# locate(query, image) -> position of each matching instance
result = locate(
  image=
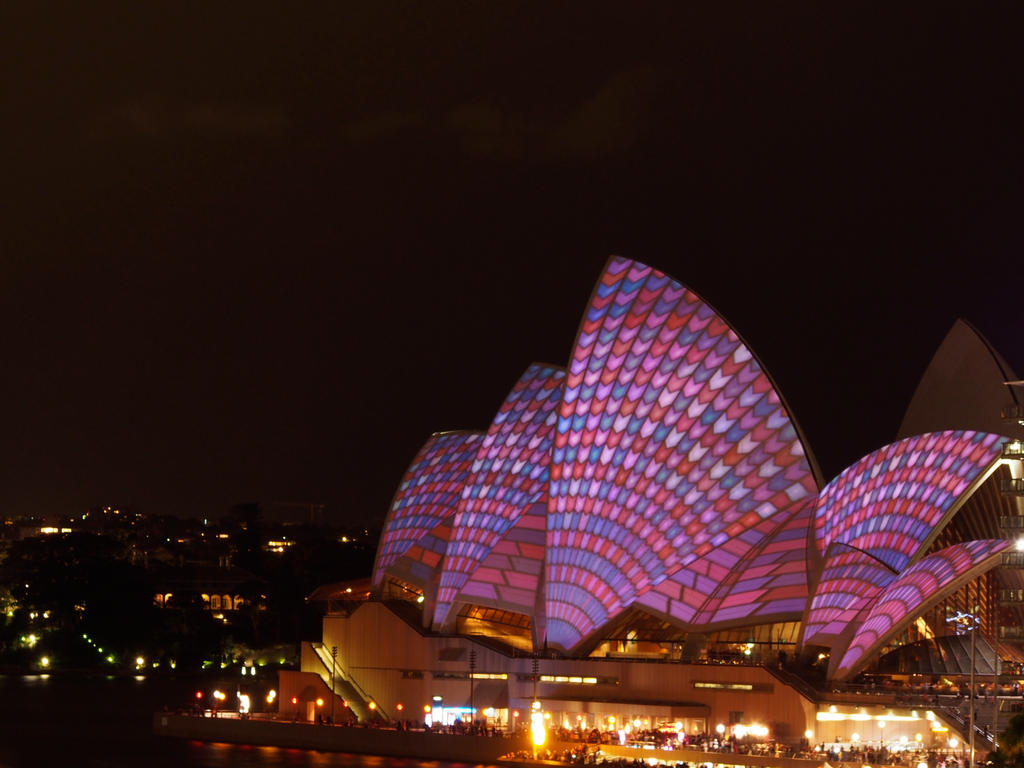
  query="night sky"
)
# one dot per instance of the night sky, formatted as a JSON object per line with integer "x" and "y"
{"x": 259, "y": 252}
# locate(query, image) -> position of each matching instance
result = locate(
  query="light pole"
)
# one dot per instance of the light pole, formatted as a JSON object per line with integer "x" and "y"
{"x": 995, "y": 695}
{"x": 968, "y": 622}
{"x": 334, "y": 665}
{"x": 972, "y": 696}
{"x": 472, "y": 672}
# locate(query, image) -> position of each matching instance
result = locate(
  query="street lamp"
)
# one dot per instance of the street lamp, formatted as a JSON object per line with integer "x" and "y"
{"x": 967, "y": 622}
{"x": 334, "y": 664}
{"x": 472, "y": 674}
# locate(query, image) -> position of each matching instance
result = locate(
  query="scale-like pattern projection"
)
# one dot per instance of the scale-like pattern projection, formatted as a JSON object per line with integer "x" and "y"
{"x": 890, "y": 501}
{"x": 681, "y": 595}
{"x": 662, "y": 471}
{"x": 770, "y": 583}
{"x": 420, "y": 564}
{"x": 671, "y": 442}
{"x": 509, "y": 577}
{"x": 429, "y": 492}
{"x": 509, "y": 475}
{"x": 691, "y": 595}
{"x": 849, "y": 582}
{"x": 921, "y": 585}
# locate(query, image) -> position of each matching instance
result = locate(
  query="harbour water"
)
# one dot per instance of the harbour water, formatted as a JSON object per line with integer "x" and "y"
{"x": 95, "y": 721}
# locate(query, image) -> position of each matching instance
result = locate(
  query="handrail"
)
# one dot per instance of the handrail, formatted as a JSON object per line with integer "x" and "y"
{"x": 793, "y": 680}
{"x": 327, "y": 661}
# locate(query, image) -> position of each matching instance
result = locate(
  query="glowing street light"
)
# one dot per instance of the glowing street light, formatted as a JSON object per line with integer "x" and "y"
{"x": 966, "y": 622}
{"x": 537, "y": 730}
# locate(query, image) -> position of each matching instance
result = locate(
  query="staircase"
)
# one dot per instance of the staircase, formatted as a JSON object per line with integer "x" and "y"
{"x": 984, "y": 715}
{"x": 345, "y": 688}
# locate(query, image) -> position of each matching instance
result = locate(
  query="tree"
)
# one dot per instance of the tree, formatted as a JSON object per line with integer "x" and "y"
{"x": 1011, "y": 744}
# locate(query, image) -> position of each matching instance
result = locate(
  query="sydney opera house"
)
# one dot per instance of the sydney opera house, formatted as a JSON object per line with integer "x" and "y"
{"x": 644, "y": 536}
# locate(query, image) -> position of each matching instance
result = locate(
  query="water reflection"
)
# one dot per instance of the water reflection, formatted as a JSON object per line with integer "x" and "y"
{"x": 104, "y": 721}
{"x": 232, "y": 755}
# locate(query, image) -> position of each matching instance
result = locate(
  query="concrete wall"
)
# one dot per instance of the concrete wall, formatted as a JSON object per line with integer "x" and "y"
{"x": 305, "y": 687}
{"x": 369, "y": 741}
{"x": 394, "y": 663}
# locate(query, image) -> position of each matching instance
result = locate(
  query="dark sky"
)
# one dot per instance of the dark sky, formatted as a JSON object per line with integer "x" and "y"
{"x": 259, "y": 252}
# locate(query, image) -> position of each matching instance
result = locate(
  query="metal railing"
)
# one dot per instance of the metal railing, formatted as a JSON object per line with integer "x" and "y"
{"x": 1013, "y": 413}
{"x": 1011, "y": 486}
{"x": 1014, "y": 449}
{"x": 332, "y": 664}
{"x": 1013, "y": 559}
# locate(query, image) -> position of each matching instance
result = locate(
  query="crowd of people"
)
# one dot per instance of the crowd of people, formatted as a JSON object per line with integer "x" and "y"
{"x": 589, "y": 750}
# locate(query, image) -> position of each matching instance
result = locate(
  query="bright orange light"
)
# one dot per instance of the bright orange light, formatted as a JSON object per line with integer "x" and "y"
{"x": 295, "y": 700}
{"x": 399, "y": 707}
{"x": 319, "y": 702}
{"x": 537, "y": 729}
{"x": 426, "y": 708}
{"x": 199, "y": 694}
{"x": 373, "y": 705}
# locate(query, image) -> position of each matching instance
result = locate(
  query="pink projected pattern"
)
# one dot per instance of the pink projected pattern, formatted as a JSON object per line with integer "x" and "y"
{"x": 770, "y": 582}
{"x": 671, "y": 442}
{"x": 913, "y": 590}
{"x": 510, "y": 473}
{"x": 420, "y": 564}
{"x": 662, "y": 471}
{"x": 849, "y": 582}
{"x": 429, "y": 491}
{"x": 509, "y": 577}
{"x": 773, "y": 554}
{"x": 890, "y": 501}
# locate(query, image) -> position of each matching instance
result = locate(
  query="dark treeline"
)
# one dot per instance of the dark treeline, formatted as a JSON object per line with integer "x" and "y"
{"x": 93, "y": 595}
